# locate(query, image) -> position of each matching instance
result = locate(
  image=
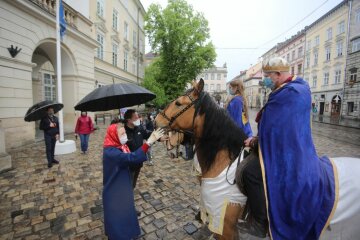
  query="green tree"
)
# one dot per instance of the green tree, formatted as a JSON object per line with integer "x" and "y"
{"x": 152, "y": 72}
{"x": 180, "y": 36}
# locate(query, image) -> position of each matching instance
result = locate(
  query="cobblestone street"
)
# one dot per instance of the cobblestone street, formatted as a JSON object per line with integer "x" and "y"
{"x": 65, "y": 201}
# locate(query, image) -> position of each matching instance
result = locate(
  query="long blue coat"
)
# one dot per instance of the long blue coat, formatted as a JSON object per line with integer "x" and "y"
{"x": 235, "y": 109}
{"x": 120, "y": 217}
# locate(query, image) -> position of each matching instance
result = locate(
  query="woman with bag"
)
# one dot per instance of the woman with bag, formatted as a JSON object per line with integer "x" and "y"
{"x": 84, "y": 126}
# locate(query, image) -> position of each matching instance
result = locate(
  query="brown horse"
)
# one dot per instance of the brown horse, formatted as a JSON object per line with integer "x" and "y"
{"x": 218, "y": 141}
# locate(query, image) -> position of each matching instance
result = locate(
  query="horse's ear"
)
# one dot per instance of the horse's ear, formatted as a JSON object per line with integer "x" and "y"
{"x": 199, "y": 86}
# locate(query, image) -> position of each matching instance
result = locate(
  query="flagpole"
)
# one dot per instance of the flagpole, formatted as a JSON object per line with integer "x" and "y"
{"x": 58, "y": 70}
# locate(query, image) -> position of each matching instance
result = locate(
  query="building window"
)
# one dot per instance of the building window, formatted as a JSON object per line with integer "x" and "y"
{"x": 357, "y": 16}
{"x": 317, "y": 40}
{"x": 299, "y": 70}
{"x": 133, "y": 66}
{"x": 206, "y": 87}
{"x": 316, "y": 58}
{"x": 341, "y": 27}
{"x": 337, "y": 76}
{"x": 115, "y": 54}
{"x": 125, "y": 61}
{"x": 211, "y": 87}
{"x": 326, "y": 78}
{"x": 292, "y": 70}
{"x": 314, "y": 82}
{"x": 49, "y": 87}
{"x": 350, "y": 107}
{"x": 218, "y": 76}
{"x": 206, "y": 76}
{"x": 126, "y": 31}
{"x": 307, "y": 60}
{"x": 225, "y": 76}
{"x": 288, "y": 57}
{"x": 329, "y": 34}
{"x": 134, "y": 39}
{"x": 293, "y": 55}
{"x": 100, "y": 8}
{"x": 218, "y": 87}
{"x": 339, "y": 49}
{"x": 327, "y": 53}
{"x": 100, "y": 49}
{"x": 300, "y": 52}
{"x": 309, "y": 45}
{"x": 115, "y": 20}
{"x": 355, "y": 45}
{"x": 212, "y": 78}
{"x": 353, "y": 74}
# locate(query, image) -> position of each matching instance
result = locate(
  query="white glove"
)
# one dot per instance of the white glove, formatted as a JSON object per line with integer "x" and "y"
{"x": 155, "y": 135}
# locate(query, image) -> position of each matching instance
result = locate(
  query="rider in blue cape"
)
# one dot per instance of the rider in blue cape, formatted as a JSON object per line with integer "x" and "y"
{"x": 301, "y": 188}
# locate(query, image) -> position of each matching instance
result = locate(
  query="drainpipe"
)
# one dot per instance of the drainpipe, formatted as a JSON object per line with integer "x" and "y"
{"x": 138, "y": 48}
{"x": 347, "y": 45}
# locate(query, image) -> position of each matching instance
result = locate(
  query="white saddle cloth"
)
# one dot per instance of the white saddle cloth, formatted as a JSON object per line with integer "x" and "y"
{"x": 216, "y": 194}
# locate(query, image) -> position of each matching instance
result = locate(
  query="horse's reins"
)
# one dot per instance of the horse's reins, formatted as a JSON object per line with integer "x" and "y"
{"x": 172, "y": 119}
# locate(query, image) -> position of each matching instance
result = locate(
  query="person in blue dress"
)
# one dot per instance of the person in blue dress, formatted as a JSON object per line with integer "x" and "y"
{"x": 237, "y": 107}
{"x": 120, "y": 218}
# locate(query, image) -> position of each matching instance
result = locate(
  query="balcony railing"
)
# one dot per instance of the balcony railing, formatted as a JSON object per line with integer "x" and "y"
{"x": 49, "y": 6}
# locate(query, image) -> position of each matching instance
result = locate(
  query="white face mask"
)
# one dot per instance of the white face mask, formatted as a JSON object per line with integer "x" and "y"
{"x": 137, "y": 122}
{"x": 123, "y": 139}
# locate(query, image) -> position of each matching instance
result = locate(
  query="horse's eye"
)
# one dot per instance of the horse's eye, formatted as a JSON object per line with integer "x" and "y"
{"x": 177, "y": 104}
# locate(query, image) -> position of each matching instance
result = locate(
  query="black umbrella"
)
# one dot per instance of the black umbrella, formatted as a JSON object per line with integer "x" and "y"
{"x": 39, "y": 110}
{"x": 114, "y": 96}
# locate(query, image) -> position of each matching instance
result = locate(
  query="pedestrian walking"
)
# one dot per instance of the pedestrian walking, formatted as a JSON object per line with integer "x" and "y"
{"x": 120, "y": 218}
{"x": 50, "y": 126}
{"x": 84, "y": 127}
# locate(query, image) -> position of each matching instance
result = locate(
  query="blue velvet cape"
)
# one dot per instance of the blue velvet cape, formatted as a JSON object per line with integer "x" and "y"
{"x": 301, "y": 187}
{"x": 120, "y": 217}
{"x": 235, "y": 109}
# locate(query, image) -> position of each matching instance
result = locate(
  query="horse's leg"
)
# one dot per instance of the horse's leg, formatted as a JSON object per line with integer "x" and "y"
{"x": 231, "y": 218}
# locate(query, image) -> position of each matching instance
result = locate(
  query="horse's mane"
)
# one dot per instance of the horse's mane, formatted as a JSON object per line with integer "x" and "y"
{"x": 219, "y": 131}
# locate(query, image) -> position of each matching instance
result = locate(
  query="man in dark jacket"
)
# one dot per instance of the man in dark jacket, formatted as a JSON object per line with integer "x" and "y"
{"x": 50, "y": 126}
{"x": 136, "y": 136}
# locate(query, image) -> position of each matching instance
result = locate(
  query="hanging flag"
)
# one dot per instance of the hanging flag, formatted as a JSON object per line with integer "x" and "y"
{"x": 62, "y": 20}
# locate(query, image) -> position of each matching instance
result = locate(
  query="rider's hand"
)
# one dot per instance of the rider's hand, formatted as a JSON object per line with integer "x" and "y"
{"x": 248, "y": 141}
{"x": 156, "y": 135}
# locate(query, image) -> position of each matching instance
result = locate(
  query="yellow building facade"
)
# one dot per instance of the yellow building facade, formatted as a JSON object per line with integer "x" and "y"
{"x": 325, "y": 60}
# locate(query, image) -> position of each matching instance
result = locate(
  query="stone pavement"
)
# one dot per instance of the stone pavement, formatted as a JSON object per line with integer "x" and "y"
{"x": 65, "y": 201}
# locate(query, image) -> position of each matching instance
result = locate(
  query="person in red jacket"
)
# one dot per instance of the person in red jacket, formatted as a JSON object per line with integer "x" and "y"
{"x": 84, "y": 126}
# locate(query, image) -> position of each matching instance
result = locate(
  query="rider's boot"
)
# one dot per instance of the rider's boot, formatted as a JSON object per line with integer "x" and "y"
{"x": 254, "y": 228}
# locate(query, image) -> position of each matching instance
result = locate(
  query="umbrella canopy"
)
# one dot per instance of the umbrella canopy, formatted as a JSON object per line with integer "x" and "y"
{"x": 114, "y": 96}
{"x": 39, "y": 110}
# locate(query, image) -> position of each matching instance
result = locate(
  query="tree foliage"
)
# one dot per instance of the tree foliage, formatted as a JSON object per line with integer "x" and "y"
{"x": 151, "y": 73}
{"x": 180, "y": 37}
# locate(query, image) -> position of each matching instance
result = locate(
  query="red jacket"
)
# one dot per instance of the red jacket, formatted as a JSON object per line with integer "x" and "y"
{"x": 84, "y": 125}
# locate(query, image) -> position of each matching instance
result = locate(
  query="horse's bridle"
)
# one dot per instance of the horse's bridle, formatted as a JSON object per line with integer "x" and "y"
{"x": 172, "y": 119}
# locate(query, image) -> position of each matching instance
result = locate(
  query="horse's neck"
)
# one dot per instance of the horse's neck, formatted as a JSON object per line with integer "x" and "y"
{"x": 221, "y": 162}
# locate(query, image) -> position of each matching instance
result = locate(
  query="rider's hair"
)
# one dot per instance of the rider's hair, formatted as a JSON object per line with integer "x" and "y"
{"x": 239, "y": 91}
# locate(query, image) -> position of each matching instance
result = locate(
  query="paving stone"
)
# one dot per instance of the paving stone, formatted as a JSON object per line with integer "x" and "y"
{"x": 148, "y": 228}
{"x": 159, "y": 223}
{"x": 161, "y": 233}
{"x": 41, "y": 226}
{"x": 148, "y": 219}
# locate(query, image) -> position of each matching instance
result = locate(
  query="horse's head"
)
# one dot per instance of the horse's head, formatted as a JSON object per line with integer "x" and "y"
{"x": 180, "y": 114}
